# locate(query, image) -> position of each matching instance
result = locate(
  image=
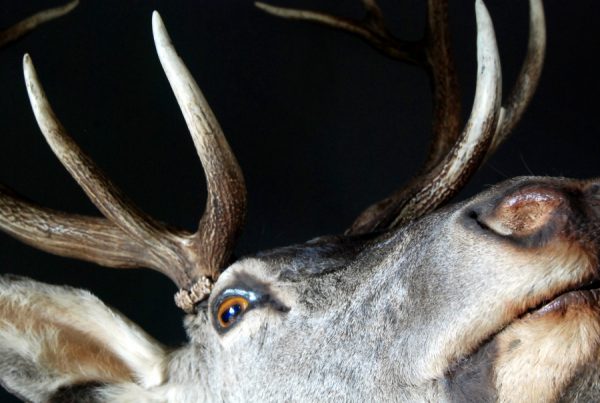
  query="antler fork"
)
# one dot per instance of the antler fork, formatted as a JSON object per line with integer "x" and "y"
{"x": 453, "y": 155}
{"x": 127, "y": 237}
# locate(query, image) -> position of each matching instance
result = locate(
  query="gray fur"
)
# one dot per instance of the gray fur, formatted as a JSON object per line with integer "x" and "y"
{"x": 368, "y": 327}
{"x": 410, "y": 315}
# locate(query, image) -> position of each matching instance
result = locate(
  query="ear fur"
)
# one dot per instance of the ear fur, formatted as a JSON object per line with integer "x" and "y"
{"x": 55, "y": 337}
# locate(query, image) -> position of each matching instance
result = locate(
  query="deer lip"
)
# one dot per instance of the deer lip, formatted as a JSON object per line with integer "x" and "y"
{"x": 588, "y": 294}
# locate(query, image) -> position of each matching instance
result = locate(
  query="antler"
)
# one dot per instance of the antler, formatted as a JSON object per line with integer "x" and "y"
{"x": 127, "y": 237}
{"x": 453, "y": 156}
{"x": 30, "y": 23}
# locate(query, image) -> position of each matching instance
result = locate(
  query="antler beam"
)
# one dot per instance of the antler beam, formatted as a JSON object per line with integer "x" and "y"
{"x": 471, "y": 147}
{"x": 127, "y": 237}
{"x": 423, "y": 193}
{"x": 93, "y": 239}
{"x": 448, "y": 147}
{"x": 433, "y": 53}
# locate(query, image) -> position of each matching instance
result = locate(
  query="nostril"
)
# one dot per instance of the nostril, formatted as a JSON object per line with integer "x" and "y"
{"x": 474, "y": 215}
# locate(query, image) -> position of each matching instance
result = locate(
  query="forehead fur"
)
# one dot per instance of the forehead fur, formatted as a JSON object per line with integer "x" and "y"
{"x": 316, "y": 257}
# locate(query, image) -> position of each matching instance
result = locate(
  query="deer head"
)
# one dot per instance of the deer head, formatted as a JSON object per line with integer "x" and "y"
{"x": 494, "y": 298}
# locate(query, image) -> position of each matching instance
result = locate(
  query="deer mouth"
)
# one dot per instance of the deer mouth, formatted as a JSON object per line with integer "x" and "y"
{"x": 586, "y": 295}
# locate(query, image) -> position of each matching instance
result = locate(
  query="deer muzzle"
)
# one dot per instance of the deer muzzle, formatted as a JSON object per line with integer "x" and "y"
{"x": 558, "y": 218}
{"x": 548, "y": 230}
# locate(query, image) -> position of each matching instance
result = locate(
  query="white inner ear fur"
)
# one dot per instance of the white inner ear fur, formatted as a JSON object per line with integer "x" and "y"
{"x": 51, "y": 325}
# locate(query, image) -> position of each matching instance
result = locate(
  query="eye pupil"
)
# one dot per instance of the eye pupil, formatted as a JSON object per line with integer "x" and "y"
{"x": 231, "y": 313}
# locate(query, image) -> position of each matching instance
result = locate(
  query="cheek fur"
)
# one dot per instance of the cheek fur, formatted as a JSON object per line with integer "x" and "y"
{"x": 537, "y": 357}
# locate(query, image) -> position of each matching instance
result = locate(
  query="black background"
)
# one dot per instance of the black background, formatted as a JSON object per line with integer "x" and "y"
{"x": 322, "y": 124}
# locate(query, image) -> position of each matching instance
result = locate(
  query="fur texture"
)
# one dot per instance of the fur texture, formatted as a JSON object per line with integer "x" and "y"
{"x": 452, "y": 307}
{"x": 53, "y": 336}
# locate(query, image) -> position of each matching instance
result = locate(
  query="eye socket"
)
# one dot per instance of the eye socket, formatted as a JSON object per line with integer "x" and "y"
{"x": 231, "y": 309}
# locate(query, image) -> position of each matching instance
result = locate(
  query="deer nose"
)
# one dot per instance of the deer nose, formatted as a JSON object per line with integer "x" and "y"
{"x": 536, "y": 210}
{"x": 525, "y": 211}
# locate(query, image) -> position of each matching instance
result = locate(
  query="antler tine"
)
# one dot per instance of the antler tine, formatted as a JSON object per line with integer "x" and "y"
{"x": 225, "y": 208}
{"x": 30, "y": 23}
{"x": 162, "y": 244}
{"x": 128, "y": 237}
{"x": 393, "y": 210}
{"x": 471, "y": 147}
{"x": 431, "y": 189}
{"x": 70, "y": 235}
{"x": 372, "y": 29}
{"x": 444, "y": 83}
{"x": 433, "y": 54}
{"x": 529, "y": 76}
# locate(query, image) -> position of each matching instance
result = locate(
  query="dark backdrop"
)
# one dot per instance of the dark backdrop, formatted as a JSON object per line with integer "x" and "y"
{"x": 321, "y": 123}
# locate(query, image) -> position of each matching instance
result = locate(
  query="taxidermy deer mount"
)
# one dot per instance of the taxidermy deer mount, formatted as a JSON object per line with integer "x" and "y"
{"x": 494, "y": 298}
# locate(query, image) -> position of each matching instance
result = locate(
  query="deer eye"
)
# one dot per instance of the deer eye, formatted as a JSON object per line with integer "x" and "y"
{"x": 231, "y": 309}
{"x": 230, "y": 306}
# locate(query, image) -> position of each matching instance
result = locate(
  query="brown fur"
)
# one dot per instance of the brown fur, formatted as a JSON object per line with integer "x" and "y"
{"x": 538, "y": 355}
{"x": 68, "y": 345}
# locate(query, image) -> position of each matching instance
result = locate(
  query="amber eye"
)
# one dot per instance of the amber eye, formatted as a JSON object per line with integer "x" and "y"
{"x": 230, "y": 310}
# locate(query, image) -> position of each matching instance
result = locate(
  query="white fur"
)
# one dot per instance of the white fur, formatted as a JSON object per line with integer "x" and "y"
{"x": 33, "y": 316}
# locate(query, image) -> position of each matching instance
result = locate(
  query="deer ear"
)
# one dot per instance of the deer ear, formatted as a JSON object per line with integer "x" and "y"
{"x": 57, "y": 341}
